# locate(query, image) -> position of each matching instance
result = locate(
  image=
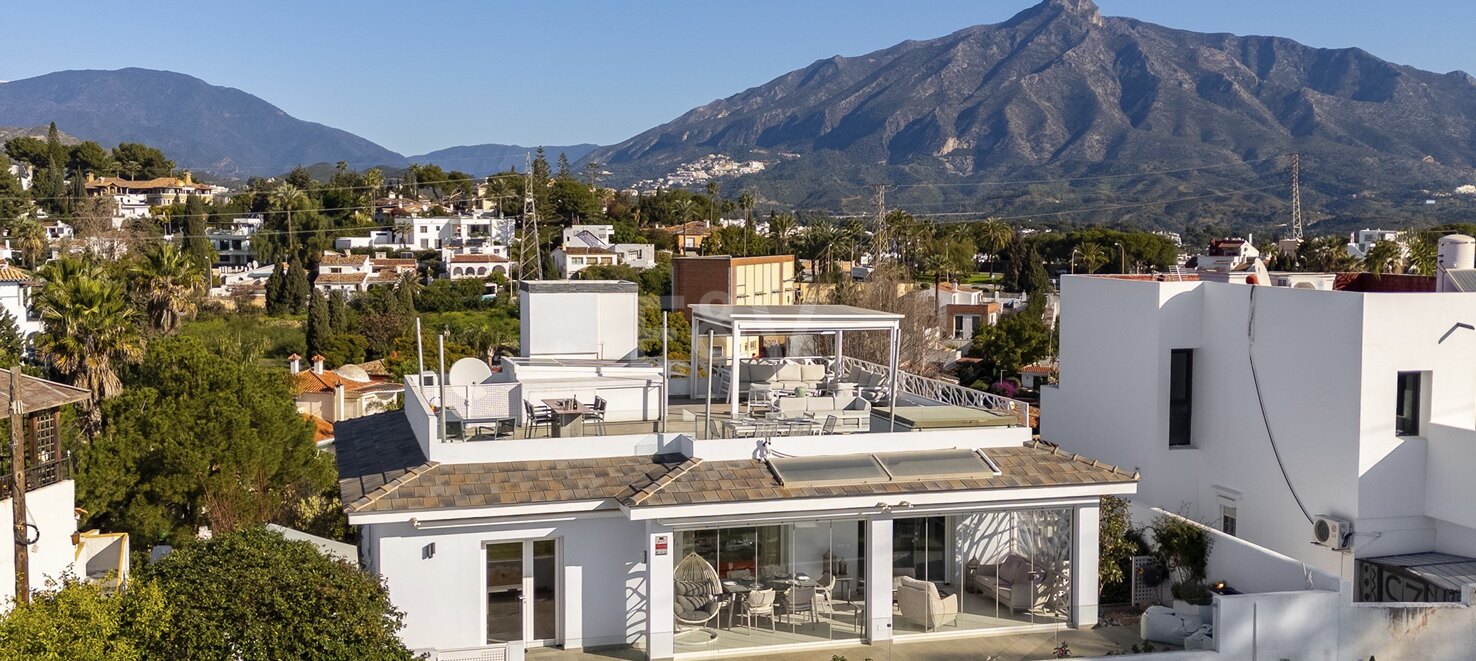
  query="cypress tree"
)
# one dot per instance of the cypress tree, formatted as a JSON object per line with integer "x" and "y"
{"x": 318, "y": 324}
{"x": 276, "y": 292}
{"x": 338, "y": 312}
{"x": 298, "y": 288}
{"x": 198, "y": 247}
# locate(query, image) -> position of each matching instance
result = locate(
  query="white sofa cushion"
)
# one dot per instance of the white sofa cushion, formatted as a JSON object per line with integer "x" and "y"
{"x": 812, "y": 373}
{"x": 791, "y": 372}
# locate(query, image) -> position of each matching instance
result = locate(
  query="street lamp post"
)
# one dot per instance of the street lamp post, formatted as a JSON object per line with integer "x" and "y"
{"x": 1122, "y": 254}
{"x": 1074, "y": 253}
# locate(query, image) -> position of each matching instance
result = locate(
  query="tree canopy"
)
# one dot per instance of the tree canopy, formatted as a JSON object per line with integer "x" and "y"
{"x": 202, "y": 435}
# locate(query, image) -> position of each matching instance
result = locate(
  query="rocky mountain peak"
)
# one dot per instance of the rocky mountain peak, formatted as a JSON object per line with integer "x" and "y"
{"x": 1050, "y": 10}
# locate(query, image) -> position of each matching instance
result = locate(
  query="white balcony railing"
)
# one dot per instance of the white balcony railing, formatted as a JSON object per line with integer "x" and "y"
{"x": 943, "y": 391}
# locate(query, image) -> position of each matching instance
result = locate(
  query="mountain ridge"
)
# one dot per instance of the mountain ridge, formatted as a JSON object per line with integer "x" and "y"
{"x": 1058, "y": 90}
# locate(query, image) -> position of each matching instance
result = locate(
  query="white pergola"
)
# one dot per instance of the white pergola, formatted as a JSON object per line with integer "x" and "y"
{"x": 736, "y": 321}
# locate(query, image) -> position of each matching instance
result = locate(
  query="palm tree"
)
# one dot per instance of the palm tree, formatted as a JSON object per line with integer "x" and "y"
{"x": 286, "y": 197}
{"x": 88, "y": 327}
{"x": 169, "y": 284}
{"x": 1325, "y": 254}
{"x": 1422, "y": 248}
{"x": 29, "y": 237}
{"x": 994, "y": 237}
{"x": 685, "y": 209}
{"x": 1384, "y": 257}
{"x": 780, "y": 225}
{"x": 745, "y": 202}
{"x": 1092, "y": 256}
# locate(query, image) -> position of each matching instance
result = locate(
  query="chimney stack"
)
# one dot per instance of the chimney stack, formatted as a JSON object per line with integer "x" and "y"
{"x": 317, "y": 363}
{"x": 188, "y": 178}
{"x": 294, "y": 362}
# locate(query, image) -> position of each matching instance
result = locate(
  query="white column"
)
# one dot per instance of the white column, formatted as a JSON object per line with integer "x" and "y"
{"x": 660, "y": 622}
{"x": 1084, "y": 548}
{"x": 840, "y": 360}
{"x": 733, "y": 368}
{"x": 692, "y": 390}
{"x": 879, "y": 578}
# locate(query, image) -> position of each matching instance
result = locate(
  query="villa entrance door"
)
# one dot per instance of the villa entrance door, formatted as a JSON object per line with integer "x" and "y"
{"x": 523, "y": 592}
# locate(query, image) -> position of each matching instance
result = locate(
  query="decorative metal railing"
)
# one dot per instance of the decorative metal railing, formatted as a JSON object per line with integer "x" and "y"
{"x": 942, "y": 391}
{"x": 38, "y": 475}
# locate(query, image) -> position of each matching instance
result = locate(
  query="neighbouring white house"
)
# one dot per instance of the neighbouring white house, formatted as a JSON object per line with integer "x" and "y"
{"x": 376, "y": 239}
{"x": 24, "y": 173}
{"x": 1364, "y": 240}
{"x": 581, "y": 497}
{"x": 15, "y": 298}
{"x": 1335, "y": 427}
{"x": 1227, "y": 255}
{"x": 591, "y": 245}
{"x": 342, "y": 394}
{"x": 430, "y": 233}
{"x": 474, "y": 265}
{"x": 232, "y": 242}
{"x": 349, "y": 274}
{"x": 54, "y": 547}
{"x": 58, "y": 230}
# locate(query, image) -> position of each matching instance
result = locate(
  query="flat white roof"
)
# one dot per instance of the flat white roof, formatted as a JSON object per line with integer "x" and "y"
{"x": 727, "y": 313}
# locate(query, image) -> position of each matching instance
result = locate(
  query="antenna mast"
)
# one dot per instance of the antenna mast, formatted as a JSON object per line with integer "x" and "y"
{"x": 1296, "y": 198}
{"x": 530, "y": 262}
{"x": 881, "y": 238}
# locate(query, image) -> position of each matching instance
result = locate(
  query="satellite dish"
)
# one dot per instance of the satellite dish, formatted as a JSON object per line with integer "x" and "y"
{"x": 468, "y": 371}
{"x": 352, "y": 373}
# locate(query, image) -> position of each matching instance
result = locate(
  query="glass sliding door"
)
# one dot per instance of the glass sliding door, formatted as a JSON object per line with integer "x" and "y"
{"x": 523, "y": 592}
{"x": 782, "y": 584}
{"x": 545, "y": 606}
{"x": 504, "y": 592}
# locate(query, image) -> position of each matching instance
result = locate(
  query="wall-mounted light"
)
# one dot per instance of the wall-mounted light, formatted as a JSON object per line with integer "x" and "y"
{"x": 428, "y": 551}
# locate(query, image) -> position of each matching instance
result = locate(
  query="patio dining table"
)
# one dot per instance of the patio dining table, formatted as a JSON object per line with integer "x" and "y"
{"x": 570, "y": 412}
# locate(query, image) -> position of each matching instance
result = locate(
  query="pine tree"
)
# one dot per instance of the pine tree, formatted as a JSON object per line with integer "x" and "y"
{"x": 276, "y": 292}
{"x": 564, "y": 172}
{"x": 14, "y": 200}
{"x": 540, "y": 168}
{"x": 338, "y": 312}
{"x": 319, "y": 327}
{"x": 298, "y": 289}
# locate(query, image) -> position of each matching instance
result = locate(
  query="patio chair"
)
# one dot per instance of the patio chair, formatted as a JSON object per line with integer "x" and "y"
{"x": 760, "y": 603}
{"x": 537, "y": 415}
{"x": 830, "y": 423}
{"x": 825, "y": 592}
{"x": 697, "y": 595}
{"x": 800, "y": 601}
{"x": 598, "y": 416}
{"x": 920, "y": 602}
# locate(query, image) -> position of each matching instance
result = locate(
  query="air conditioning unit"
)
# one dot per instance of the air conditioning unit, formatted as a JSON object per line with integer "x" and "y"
{"x": 1332, "y": 532}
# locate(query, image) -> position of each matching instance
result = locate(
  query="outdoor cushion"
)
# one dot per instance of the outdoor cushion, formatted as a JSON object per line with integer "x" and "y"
{"x": 745, "y": 372}
{"x": 1161, "y": 624}
{"x": 791, "y": 372}
{"x": 812, "y": 373}
{"x": 869, "y": 380}
{"x": 820, "y": 404}
{"x": 761, "y": 372}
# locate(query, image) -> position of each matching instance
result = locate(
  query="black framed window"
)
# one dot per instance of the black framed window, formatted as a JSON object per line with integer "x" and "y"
{"x": 1407, "y": 406}
{"x": 1181, "y": 396}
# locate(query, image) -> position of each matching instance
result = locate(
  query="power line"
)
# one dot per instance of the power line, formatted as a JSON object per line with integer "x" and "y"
{"x": 1007, "y": 182}
{"x": 979, "y": 215}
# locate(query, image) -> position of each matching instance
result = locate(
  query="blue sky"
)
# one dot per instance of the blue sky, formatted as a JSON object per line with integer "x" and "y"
{"x": 420, "y": 76}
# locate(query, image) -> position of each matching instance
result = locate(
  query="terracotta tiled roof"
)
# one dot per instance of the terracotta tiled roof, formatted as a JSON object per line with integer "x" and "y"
{"x": 322, "y": 429}
{"x": 343, "y": 260}
{"x": 308, "y": 381}
{"x": 381, "y": 469}
{"x": 392, "y": 262}
{"x": 10, "y": 273}
{"x": 144, "y": 184}
{"x": 477, "y": 259}
{"x": 341, "y": 278}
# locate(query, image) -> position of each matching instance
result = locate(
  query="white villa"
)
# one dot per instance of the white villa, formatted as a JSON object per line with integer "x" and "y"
{"x": 592, "y": 245}
{"x": 1335, "y": 428}
{"x": 586, "y": 496}
{"x": 232, "y": 242}
{"x": 15, "y": 298}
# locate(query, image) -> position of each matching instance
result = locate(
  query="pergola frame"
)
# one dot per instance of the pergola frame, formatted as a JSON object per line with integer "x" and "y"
{"x": 737, "y": 321}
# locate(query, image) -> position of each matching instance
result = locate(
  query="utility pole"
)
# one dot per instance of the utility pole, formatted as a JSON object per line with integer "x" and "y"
{"x": 880, "y": 239}
{"x": 1296, "y": 197}
{"x": 530, "y": 262}
{"x": 18, "y": 491}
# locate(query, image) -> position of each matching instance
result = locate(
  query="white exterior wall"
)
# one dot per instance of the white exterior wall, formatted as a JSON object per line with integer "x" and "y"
{"x": 547, "y": 333}
{"x": 1327, "y": 365}
{"x": 50, "y": 509}
{"x": 444, "y": 597}
{"x": 16, "y": 299}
